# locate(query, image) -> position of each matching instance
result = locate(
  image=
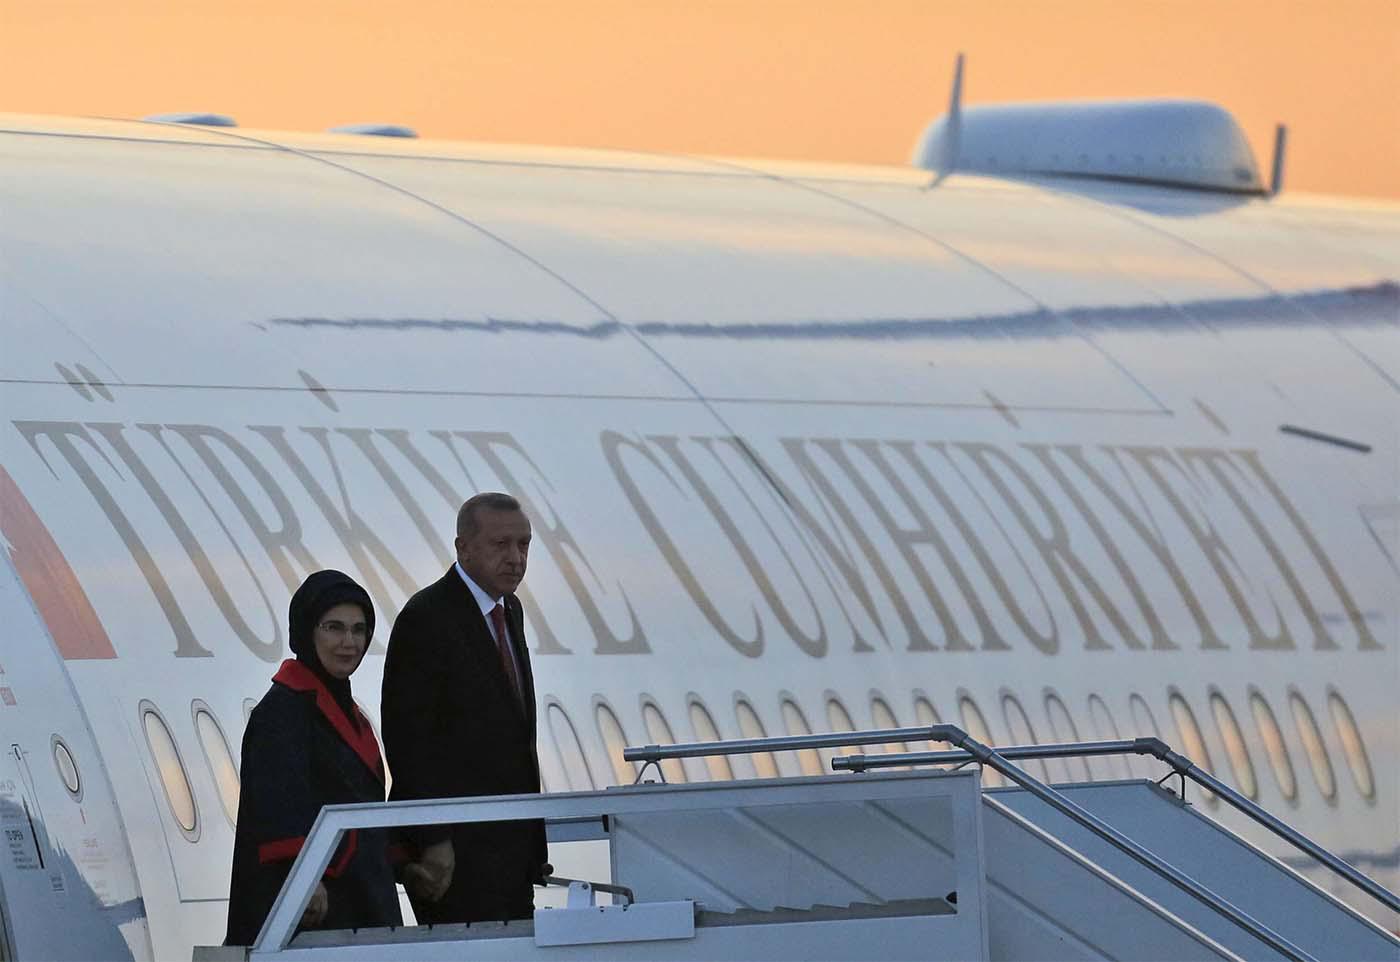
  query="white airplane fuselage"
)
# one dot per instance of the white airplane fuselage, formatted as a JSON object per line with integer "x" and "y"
{"x": 1077, "y": 460}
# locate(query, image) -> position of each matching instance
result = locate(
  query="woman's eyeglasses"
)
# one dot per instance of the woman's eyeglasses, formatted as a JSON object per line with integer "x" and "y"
{"x": 339, "y": 629}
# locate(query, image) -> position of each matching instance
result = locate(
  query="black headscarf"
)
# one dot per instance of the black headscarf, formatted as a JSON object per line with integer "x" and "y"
{"x": 319, "y": 593}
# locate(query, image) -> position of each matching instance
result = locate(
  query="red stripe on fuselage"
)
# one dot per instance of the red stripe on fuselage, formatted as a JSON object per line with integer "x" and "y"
{"x": 50, "y": 580}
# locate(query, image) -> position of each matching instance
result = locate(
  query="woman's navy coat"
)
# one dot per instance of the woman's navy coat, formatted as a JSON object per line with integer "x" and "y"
{"x": 300, "y": 752}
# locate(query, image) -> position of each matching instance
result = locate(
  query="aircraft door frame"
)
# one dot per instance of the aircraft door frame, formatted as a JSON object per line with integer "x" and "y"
{"x": 70, "y": 888}
{"x": 7, "y": 951}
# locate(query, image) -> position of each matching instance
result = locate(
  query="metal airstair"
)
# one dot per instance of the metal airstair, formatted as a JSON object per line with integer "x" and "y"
{"x": 892, "y": 859}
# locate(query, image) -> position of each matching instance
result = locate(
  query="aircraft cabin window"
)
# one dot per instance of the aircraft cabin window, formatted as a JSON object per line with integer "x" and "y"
{"x": 706, "y": 731}
{"x": 926, "y": 714}
{"x": 1274, "y": 746}
{"x": 1063, "y": 729}
{"x": 1020, "y": 732}
{"x": 1236, "y": 751}
{"x": 1144, "y": 722}
{"x": 883, "y": 717}
{"x": 1311, "y": 737}
{"x": 1106, "y": 729}
{"x": 839, "y": 720}
{"x": 764, "y": 764}
{"x": 1357, "y": 759}
{"x": 219, "y": 759}
{"x": 659, "y": 733}
{"x": 568, "y": 750}
{"x": 796, "y": 724}
{"x": 614, "y": 741}
{"x": 174, "y": 778}
{"x": 1193, "y": 743}
{"x": 67, "y": 768}
{"x": 975, "y": 724}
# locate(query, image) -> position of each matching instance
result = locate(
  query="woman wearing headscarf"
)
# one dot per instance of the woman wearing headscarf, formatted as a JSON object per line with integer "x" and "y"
{"x": 308, "y": 745}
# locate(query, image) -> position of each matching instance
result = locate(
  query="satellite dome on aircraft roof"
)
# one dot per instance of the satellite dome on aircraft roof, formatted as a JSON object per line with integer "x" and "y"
{"x": 1188, "y": 143}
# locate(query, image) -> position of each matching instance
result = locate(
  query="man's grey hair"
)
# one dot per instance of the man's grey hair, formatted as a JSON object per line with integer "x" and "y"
{"x": 490, "y": 500}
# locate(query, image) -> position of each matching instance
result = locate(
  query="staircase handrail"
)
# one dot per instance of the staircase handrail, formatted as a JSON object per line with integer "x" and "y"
{"x": 988, "y": 757}
{"x": 1159, "y": 749}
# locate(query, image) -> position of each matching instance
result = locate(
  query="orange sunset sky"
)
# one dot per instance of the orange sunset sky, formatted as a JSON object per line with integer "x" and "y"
{"x": 813, "y": 79}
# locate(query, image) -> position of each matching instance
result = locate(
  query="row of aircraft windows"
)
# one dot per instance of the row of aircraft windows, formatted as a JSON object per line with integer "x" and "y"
{"x": 576, "y": 772}
{"x": 1061, "y": 727}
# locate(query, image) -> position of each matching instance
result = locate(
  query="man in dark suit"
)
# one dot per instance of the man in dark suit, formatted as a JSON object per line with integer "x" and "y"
{"x": 459, "y": 719}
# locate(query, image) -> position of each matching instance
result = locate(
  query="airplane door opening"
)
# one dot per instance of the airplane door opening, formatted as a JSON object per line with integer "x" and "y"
{"x": 68, "y": 885}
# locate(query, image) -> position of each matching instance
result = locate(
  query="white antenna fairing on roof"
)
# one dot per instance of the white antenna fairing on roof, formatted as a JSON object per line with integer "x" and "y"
{"x": 1280, "y": 147}
{"x": 198, "y": 119}
{"x": 375, "y": 130}
{"x": 950, "y": 144}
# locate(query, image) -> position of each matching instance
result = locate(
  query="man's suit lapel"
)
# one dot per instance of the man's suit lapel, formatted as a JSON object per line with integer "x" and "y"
{"x": 465, "y": 615}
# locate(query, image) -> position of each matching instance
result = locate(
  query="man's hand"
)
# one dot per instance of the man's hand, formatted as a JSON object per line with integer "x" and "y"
{"x": 317, "y": 908}
{"x": 429, "y": 877}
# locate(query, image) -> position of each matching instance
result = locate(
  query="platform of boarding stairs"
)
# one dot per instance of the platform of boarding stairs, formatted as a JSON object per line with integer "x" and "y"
{"x": 894, "y": 856}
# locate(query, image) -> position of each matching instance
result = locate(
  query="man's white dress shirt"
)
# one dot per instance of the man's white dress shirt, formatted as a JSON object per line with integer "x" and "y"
{"x": 485, "y": 602}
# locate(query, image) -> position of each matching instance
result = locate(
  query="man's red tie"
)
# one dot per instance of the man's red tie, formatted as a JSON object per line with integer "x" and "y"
{"x": 498, "y": 622}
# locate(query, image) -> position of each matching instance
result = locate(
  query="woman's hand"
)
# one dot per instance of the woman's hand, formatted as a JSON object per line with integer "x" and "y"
{"x": 317, "y": 908}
